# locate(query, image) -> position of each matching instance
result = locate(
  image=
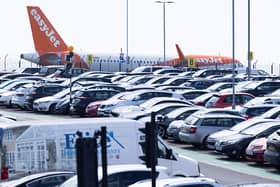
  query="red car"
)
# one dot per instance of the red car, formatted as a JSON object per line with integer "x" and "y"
{"x": 222, "y": 100}
{"x": 91, "y": 109}
{"x": 255, "y": 150}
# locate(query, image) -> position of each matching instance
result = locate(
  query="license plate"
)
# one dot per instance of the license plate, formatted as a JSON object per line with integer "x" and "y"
{"x": 219, "y": 148}
{"x": 249, "y": 152}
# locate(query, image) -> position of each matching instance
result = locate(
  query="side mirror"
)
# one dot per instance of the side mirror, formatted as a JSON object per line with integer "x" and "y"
{"x": 159, "y": 117}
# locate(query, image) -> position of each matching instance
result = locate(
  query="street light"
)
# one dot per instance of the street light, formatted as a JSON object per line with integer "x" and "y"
{"x": 233, "y": 56}
{"x": 249, "y": 53}
{"x": 164, "y": 48}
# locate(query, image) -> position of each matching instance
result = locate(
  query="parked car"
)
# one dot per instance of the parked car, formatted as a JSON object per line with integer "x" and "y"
{"x": 133, "y": 98}
{"x": 82, "y": 98}
{"x": 180, "y": 182}
{"x": 272, "y": 152}
{"x": 214, "y": 137}
{"x": 219, "y": 86}
{"x": 234, "y": 146}
{"x": 255, "y": 150}
{"x": 192, "y": 94}
{"x": 198, "y": 127}
{"x": 222, "y": 100}
{"x": 273, "y": 113}
{"x": 177, "y": 114}
{"x": 175, "y": 126}
{"x": 122, "y": 175}
{"x": 261, "y": 88}
{"x": 202, "y": 99}
{"x": 18, "y": 99}
{"x": 48, "y": 103}
{"x": 255, "y": 110}
{"x": 148, "y": 104}
{"x": 160, "y": 109}
{"x": 92, "y": 108}
{"x": 199, "y": 83}
{"x": 41, "y": 90}
{"x": 50, "y": 179}
{"x": 264, "y": 100}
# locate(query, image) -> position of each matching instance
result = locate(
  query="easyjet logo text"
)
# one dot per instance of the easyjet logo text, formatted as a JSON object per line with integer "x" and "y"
{"x": 44, "y": 28}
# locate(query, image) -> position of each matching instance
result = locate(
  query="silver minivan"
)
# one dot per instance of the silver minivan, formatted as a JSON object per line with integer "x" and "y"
{"x": 199, "y": 126}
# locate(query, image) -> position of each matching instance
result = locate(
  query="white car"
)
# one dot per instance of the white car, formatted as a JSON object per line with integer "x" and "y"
{"x": 148, "y": 104}
{"x": 179, "y": 182}
{"x": 6, "y": 98}
{"x": 133, "y": 98}
{"x": 122, "y": 175}
{"x": 15, "y": 85}
{"x": 47, "y": 104}
{"x": 19, "y": 98}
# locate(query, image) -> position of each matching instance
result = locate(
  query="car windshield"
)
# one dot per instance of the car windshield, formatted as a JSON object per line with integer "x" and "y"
{"x": 203, "y": 97}
{"x": 251, "y": 85}
{"x": 6, "y": 83}
{"x": 62, "y": 93}
{"x": 191, "y": 120}
{"x": 257, "y": 129}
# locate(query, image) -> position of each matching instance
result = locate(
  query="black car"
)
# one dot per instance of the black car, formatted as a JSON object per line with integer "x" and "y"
{"x": 83, "y": 97}
{"x": 199, "y": 83}
{"x": 41, "y": 90}
{"x": 255, "y": 110}
{"x": 63, "y": 106}
{"x": 272, "y": 152}
{"x": 261, "y": 88}
{"x": 234, "y": 146}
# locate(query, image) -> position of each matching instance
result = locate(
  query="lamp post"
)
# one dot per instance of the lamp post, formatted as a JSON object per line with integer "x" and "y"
{"x": 164, "y": 48}
{"x": 249, "y": 40}
{"x": 233, "y": 56}
{"x": 5, "y": 62}
{"x": 127, "y": 57}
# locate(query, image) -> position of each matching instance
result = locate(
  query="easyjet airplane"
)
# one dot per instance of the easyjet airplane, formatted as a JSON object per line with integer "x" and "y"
{"x": 52, "y": 50}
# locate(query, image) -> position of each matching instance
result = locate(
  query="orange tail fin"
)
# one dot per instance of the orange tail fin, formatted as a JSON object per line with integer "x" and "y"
{"x": 180, "y": 53}
{"x": 45, "y": 37}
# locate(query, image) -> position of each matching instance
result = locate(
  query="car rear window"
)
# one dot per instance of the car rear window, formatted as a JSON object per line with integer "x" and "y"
{"x": 191, "y": 120}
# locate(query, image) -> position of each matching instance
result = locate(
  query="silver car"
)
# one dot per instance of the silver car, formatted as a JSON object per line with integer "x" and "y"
{"x": 198, "y": 127}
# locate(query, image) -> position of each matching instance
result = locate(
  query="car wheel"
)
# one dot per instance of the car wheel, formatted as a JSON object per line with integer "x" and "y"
{"x": 161, "y": 131}
{"x": 52, "y": 109}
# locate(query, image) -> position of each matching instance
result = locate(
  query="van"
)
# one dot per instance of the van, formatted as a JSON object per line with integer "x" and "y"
{"x": 35, "y": 146}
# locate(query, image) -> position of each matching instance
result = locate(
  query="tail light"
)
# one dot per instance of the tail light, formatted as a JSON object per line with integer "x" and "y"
{"x": 82, "y": 98}
{"x": 192, "y": 130}
{"x": 20, "y": 95}
{"x": 247, "y": 116}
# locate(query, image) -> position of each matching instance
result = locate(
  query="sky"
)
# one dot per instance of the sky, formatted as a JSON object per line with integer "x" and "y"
{"x": 198, "y": 26}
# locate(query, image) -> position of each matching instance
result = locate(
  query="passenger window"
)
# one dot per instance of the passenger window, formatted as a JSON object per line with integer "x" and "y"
{"x": 47, "y": 182}
{"x": 246, "y": 98}
{"x": 228, "y": 99}
{"x": 225, "y": 122}
{"x": 209, "y": 122}
{"x": 194, "y": 185}
{"x": 163, "y": 94}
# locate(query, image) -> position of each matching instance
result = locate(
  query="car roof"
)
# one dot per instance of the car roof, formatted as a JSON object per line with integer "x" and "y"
{"x": 215, "y": 115}
{"x": 176, "y": 181}
{"x": 34, "y": 176}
